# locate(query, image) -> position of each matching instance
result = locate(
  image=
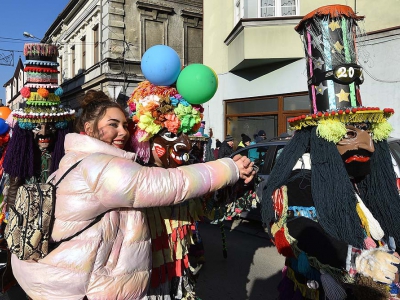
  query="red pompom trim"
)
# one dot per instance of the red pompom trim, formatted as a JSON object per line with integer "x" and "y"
{"x": 282, "y": 245}
{"x": 25, "y": 92}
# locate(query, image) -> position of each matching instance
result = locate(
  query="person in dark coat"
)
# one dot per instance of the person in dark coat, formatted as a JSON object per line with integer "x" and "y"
{"x": 244, "y": 142}
{"x": 261, "y": 136}
{"x": 226, "y": 148}
{"x": 216, "y": 150}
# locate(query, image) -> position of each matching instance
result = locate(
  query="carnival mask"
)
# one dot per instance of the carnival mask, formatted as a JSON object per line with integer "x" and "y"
{"x": 172, "y": 150}
{"x": 356, "y": 149}
{"x": 44, "y": 135}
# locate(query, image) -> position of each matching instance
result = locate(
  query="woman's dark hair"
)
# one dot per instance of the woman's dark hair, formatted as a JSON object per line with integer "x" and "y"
{"x": 94, "y": 106}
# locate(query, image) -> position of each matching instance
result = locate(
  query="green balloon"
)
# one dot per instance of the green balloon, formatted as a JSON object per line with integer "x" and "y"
{"x": 197, "y": 83}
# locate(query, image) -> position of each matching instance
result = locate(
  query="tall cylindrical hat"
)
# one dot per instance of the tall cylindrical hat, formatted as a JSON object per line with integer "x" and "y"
{"x": 41, "y": 91}
{"x": 329, "y": 36}
{"x": 334, "y": 77}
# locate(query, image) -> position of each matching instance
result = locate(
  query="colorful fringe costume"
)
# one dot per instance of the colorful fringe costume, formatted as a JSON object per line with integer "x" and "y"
{"x": 322, "y": 219}
{"x": 154, "y": 109}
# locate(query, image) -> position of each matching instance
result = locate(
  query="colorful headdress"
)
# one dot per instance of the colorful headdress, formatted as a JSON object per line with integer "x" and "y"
{"x": 156, "y": 104}
{"x": 155, "y": 107}
{"x": 329, "y": 38}
{"x": 41, "y": 91}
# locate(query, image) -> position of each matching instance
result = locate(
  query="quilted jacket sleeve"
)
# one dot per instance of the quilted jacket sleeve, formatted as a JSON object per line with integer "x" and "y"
{"x": 118, "y": 182}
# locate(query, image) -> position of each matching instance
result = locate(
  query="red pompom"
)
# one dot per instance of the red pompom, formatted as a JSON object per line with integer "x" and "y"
{"x": 25, "y": 92}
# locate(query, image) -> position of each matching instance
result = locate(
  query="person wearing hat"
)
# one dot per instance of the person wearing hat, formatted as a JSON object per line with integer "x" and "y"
{"x": 331, "y": 201}
{"x": 261, "y": 136}
{"x": 38, "y": 129}
{"x": 246, "y": 140}
{"x": 226, "y": 147}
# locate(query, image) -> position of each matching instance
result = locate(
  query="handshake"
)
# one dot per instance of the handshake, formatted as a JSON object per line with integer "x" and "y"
{"x": 378, "y": 264}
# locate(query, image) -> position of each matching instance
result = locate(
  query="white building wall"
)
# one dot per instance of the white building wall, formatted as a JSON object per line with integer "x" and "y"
{"x": 288, "y": 79}
{"x": 381, "y": 64}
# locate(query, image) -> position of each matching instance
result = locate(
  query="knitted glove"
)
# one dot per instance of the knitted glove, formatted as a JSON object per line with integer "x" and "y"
{"x": 377, "y": 264}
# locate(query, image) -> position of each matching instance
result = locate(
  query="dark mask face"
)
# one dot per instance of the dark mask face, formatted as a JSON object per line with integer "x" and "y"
{"x": 172, "y": 150}
{"x": 356, "y": 149}
{"x": 44, "y": 135}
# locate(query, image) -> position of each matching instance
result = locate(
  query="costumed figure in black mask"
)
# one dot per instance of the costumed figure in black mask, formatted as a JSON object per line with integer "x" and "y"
{"x": 331, "y": 202}
{"x": 36, "y": 145}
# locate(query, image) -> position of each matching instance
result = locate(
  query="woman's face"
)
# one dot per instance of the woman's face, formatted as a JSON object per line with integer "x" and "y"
{"x": 113, "y": 128}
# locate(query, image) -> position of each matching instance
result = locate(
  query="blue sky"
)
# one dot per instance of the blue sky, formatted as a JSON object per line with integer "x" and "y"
{"x": 17, "y": 16}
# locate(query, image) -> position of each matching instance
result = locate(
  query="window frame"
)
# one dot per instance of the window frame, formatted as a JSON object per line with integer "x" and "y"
{"x": 282, "y": 115}
{"x": 278, "y": 11}
{"x": 95, "y": 31}
{"x": 73, "y": 61}
{"x": 83, "y": 52}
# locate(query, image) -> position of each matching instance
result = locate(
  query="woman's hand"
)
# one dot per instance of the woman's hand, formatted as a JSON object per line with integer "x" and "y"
{"x": 245, "y": 166}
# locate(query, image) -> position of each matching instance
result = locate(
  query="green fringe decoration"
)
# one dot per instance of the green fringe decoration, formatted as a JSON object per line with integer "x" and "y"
{"x": 331, "y": 130}
{"x": 381, "y": 131}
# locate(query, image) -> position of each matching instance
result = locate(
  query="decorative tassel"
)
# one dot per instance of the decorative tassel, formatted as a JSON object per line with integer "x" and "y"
{"x": 363, "y": 218}
{"x": 392, "y": 243}
{"x": 369, "y": 243}
{"x": 333, "y": 290}
{"x": 331, "y": 130}
{"x": 381, "y": 131}
{"x": 286, "y": 288}
{"x": 224, "y": 251}
{"x": 373, "y": 225}
{"x": 142, "y": 149}
{"x": 302, "y": 264}
{"x": 281, "y": 243}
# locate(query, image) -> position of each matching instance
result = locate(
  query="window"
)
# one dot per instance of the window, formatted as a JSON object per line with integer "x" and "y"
{"x": 83, "y": 52}
{"x": 269, "y": 113}
{"x": 96, "y": 45}
{"x": 60, "y": 63}
{"x": 73, "y": 61}
{"x": 278, "y": 8}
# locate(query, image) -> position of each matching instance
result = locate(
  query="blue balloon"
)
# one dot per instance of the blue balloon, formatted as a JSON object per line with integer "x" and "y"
{"x": 3, "y": 126}
{"x": 161, "y": 65}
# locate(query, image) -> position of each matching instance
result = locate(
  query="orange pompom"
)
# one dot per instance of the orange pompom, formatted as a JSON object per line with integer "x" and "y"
{"x": 43, "y": 92}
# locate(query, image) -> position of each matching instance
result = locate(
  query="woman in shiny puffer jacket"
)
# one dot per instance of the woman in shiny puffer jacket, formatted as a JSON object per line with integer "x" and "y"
{"x": 112, "y": 258}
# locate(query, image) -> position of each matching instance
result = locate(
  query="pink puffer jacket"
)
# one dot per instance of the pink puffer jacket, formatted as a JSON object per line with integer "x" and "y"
{"x": 111, "y": 259}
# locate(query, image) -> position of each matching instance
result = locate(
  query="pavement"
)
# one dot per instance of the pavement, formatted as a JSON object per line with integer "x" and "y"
{"x": 252, "y": 269}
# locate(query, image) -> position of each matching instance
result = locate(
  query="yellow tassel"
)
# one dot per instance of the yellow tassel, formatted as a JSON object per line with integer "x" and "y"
{"x": 363, "y": 218}
{"x": 331, "y": 130}
{"x": 381, "y": 131}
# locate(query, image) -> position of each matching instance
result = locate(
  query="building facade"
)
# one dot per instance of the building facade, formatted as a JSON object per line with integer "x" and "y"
{"x": 101, "y": 42}
{"x": 259, "y": 60}
{"x": 12, "y": 87}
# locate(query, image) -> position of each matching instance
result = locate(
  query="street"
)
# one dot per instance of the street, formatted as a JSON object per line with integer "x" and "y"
{"x": 252, "y": 269}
